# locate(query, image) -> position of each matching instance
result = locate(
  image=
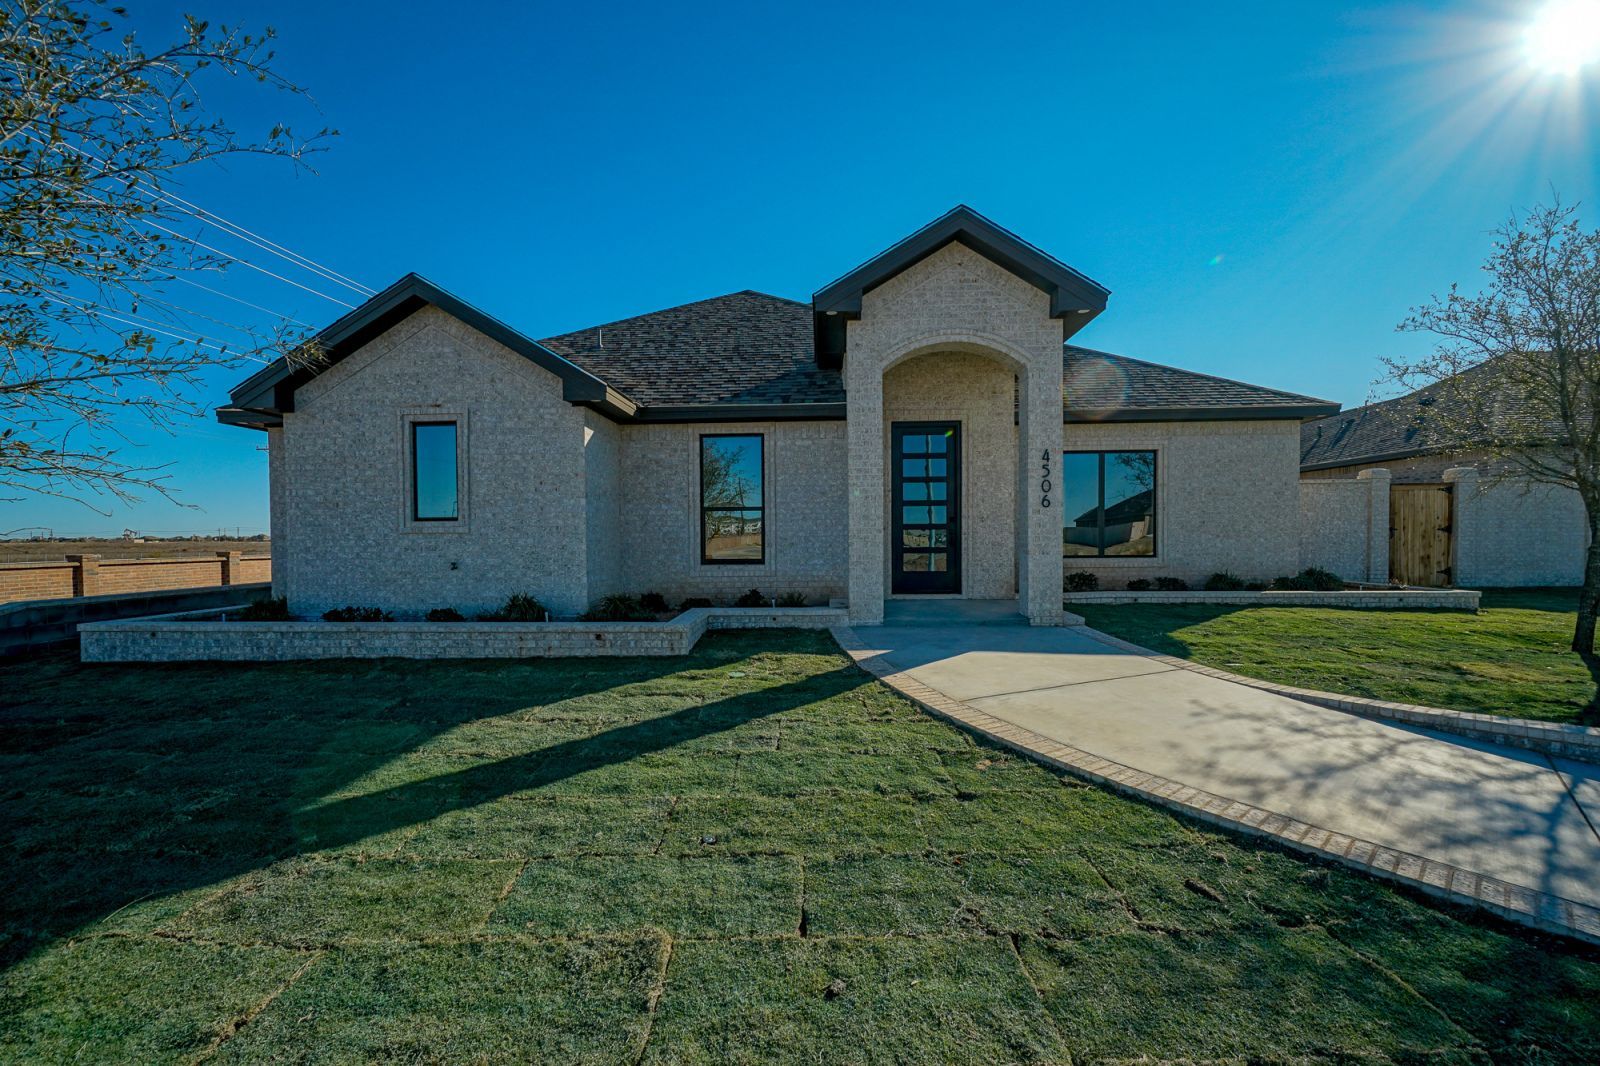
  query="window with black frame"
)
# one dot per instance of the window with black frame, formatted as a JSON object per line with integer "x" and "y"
{"x": 732, "y": 499}
{"x": 434, "y": 495}
{"x": 1108, "y": 504}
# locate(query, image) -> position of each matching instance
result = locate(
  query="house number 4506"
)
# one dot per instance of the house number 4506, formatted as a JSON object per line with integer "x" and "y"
{"x": 1044, "y": 478}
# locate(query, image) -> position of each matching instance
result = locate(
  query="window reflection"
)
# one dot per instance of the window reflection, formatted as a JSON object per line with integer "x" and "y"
{"x": 732, "y": 499}
{"x": 1108, "y": 503}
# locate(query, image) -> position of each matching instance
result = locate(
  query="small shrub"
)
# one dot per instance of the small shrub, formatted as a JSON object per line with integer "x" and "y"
{"x": 357, "y": 614}
{"x": 444, "y": 614}
{"x": 1223, "y": 581}
{"x": 692, "y": 602}
{"x": 1139, "y": 584}
{"x": 1311, "y": 579}
{"x": 1172, "y": 584}
{"x": 653, "y": 602}
{"x": 1255, "y": 586}
{"x": 1081, "y": 581}
{"x": 792, "y": 599}
{"x": 273, "y": 610}
{"x": 753, "y": 598}
{"x": 618, "y": 609}
{"x": 519, "y": 607}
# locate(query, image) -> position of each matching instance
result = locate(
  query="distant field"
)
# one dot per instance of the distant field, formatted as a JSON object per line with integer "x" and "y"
{"x": 36, "y": 551}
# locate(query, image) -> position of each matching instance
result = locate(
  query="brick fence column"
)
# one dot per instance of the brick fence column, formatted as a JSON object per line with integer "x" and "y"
{"x": 85, "y": 574}
{"x": 1465, "y": 516}
{"x": 1377, "y": 552}
{"x": 231, "y": 569}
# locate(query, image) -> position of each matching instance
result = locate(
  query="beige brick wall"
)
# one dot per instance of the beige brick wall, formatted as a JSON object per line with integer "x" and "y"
{"x": 603, "y": 505}
{"x": 1344, "y": 525}
{"x": 1510, "y": 533}
{"x": 805, "y": 478}
{"x": 344, "y": 475}
{"x": 1227, "y": 498}
{"x": 979, "y": 393}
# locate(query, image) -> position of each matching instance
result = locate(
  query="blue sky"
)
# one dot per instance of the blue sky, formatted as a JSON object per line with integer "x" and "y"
{"x": 1265, "y": 187}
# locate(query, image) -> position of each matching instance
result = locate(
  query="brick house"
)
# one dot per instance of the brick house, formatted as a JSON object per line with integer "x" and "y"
{"x": 922, "y": 427}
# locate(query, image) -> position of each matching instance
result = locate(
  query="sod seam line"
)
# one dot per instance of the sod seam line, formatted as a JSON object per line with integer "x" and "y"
{"x": 653, "y": 999}
{"x": 232, "y": 1028}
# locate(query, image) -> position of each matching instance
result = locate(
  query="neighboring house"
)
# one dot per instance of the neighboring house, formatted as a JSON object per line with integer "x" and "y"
{"x": 902, "y": 434}
{"x": 1456, "y": 516}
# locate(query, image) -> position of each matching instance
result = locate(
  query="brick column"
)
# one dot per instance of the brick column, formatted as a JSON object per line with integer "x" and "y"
{"x": 1377, "y": 553}
{"x": 864, "y": 432}
{"x": 1463, "y": 525}
{"x": 85, "y": 574}
{"x": 1040, "y": 433}
{"x": 230, "y": 567}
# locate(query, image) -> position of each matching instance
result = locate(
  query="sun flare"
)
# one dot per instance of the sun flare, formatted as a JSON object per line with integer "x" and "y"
{"x": 1564, "y": 36}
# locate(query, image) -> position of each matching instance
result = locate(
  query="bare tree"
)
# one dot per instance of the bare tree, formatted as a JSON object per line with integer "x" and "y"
{"x": 1516, "y": 374}
{"x": 93, "y": 128}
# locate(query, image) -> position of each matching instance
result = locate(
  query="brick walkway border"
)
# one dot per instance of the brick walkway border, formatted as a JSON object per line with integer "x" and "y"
{"x": 1551, "y": 738}
{"x": 1525, "y": 906}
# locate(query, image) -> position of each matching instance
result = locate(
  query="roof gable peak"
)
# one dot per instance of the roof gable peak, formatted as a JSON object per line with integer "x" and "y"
{"x": 1074, "y": 296}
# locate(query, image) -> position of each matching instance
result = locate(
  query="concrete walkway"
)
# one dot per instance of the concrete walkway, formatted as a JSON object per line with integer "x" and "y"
{"x": 1524, "y": 819}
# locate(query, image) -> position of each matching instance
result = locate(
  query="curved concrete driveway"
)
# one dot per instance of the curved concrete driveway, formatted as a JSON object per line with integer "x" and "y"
{"x": 1518, "y": 816}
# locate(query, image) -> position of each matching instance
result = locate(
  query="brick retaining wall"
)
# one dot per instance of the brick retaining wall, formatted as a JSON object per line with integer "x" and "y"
{"x": 200, "y": 636}
{"x": 91, "y": 575}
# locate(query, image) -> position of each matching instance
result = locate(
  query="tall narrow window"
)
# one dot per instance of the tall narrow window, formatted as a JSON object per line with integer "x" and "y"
{"x": 434, "y": 496}
{"x": 1108, "y": 503}
{"x": 732, "y": 499}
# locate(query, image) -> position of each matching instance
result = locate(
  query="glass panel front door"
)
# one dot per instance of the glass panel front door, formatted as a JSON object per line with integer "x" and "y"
{"x": 926, "y": 530}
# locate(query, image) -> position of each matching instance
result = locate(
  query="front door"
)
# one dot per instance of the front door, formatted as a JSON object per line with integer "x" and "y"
{"x": 926, "y": 460}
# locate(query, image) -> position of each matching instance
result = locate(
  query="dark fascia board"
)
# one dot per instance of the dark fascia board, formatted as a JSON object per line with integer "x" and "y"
{"x": 271, "y": 389}
{"x": 1295, "y": 412}
{"x": 744, "y": 412}
{"x": 1074, "y": 297}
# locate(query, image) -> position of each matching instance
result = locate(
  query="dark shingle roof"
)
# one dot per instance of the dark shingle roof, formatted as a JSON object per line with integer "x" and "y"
{"x": 1411, "y": 425}
{"x": 743, "y": 348}
{"x": 1099, "y": 385}
{"x": 752, "y": 348}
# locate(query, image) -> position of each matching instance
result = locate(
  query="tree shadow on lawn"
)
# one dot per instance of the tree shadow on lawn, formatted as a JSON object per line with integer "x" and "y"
{"x": 139, "y": 785}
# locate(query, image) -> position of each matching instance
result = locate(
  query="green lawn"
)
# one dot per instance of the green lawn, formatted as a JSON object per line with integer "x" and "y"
{"x": 752, "y": 854}
{"x": 1511, "y": 658}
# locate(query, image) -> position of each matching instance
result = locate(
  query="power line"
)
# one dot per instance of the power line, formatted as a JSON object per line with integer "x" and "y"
{"x": 232, "y": 228}
{"x": 237, "y": 300}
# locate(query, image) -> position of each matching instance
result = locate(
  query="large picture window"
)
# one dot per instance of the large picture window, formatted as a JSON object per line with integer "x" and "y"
{"x": 434, "y": 492}
{"x": 1108, "y": 503}
{"x": 732, "y": 499}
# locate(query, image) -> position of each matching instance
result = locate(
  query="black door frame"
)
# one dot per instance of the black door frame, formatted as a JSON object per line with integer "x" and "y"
{"x": 914, "y": 582}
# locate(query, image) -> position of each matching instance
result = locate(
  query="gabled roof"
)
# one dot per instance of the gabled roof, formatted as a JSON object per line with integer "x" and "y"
{"x": 1101, "y": 387}
{"x": 746, "y": 348}
{"x": 261, "y": 399}
{"x": 1409, "y": 425}
{"x": 1074, "y": 296}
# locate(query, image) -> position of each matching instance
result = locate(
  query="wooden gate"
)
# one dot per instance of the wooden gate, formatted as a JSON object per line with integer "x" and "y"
{"x": 1419, "y": 535}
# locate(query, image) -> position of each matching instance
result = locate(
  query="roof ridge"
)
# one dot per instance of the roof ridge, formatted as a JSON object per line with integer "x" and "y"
{"x": 674, "y": 307}
{"x": 1201, "y": 374}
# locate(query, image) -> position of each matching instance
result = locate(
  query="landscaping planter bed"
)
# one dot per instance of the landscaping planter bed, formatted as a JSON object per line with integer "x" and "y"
{"x": 1411, "y": 599}
{"x": 203, "y": 636}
